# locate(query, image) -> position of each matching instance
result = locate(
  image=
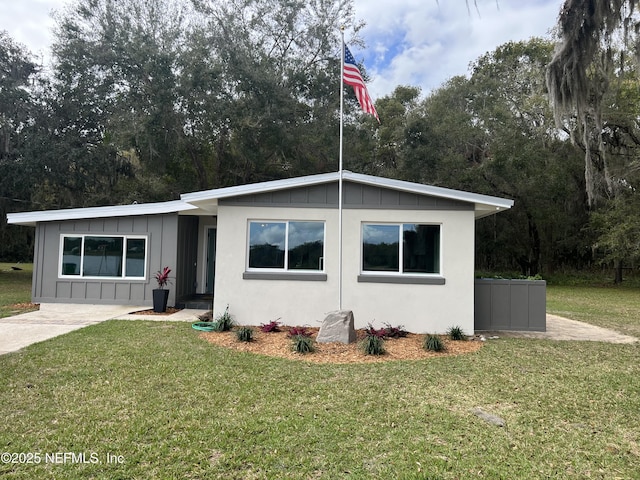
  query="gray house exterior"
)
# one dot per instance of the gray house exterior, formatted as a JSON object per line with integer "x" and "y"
{"x": 110, "y": 254}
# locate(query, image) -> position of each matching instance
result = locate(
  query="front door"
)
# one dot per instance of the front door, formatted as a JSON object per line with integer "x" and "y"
{"x": 211, "y": 259}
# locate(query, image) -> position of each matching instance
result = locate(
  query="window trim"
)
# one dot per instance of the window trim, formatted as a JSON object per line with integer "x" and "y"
{"x": 285, "y": 273}
{"x": 125, "y": 239}
{"x": 378, "y": 276}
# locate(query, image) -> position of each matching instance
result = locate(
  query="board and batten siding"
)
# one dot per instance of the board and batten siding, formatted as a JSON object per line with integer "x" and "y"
{"x": 161, "y": 232}
{"x": 355, "y": 196}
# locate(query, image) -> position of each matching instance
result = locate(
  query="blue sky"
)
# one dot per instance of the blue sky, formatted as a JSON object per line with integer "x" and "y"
{"x": 409, "y": 42}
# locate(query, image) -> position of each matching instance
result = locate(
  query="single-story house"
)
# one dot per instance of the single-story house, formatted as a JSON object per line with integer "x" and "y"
{"x": 397, "y": 252}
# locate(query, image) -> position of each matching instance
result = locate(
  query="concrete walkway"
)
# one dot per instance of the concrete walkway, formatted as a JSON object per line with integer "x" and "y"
{"x": 55, "y": 319}
{"x": 560, "y": 328}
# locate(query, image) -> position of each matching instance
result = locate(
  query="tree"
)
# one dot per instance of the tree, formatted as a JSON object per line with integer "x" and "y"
{"x": 17, "y": 107}
{"x": 579, "y": 73}
{"x": 494, "y": 133}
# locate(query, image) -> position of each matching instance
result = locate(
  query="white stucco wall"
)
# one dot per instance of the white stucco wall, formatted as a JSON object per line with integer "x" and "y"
{"x": 419, "y": 308}
{"x": 253, "y": 302}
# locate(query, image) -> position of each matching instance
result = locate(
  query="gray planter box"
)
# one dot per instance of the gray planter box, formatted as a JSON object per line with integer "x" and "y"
{"x": 510, "y": 305}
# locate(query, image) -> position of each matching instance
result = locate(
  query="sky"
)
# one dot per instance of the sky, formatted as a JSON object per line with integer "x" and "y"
{"x": 419, "y": 43}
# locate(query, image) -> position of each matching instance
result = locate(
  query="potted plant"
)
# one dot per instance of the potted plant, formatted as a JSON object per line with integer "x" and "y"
{"x": 160, "y": 294}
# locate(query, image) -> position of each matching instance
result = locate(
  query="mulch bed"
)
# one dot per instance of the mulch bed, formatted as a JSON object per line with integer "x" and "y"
{"x": 168, "y": 311}
{"x": 278, "y": 344}
{"x": 18, "y": 308}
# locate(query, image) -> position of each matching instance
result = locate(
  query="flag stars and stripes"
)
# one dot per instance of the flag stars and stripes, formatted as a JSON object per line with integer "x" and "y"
{"x": 352, "y": 76}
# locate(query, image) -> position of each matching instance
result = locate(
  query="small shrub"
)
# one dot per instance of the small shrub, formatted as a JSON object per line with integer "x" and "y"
{"x": 433, "y": 343}
{"x": 244, "y": 334}
{"x": 299, "y": 332}
{"x": 395, "y": 332}
{"x": 270, "y": 327}
{"x": 456, "y": 333}
{"x": 370, "y": 331}
{"x": 372, "y": 345}
{"x": 302, "y": 344}
{"x": 224, "y": 322}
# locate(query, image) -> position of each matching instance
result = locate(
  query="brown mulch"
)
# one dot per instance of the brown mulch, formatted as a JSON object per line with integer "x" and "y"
{"x": 278, "y": 344}
{"x": 168, "y": 311}
{"x": 25, "y": 306}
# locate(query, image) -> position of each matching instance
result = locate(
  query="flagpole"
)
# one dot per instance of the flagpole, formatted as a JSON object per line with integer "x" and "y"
{"x": 340, "y": 172}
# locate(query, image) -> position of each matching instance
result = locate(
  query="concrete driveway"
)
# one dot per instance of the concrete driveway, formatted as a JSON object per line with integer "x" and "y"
{"x": 55, "y": 319}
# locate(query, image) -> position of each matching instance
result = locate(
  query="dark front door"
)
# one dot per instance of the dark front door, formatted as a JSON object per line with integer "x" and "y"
{"x": 211, "y": 259}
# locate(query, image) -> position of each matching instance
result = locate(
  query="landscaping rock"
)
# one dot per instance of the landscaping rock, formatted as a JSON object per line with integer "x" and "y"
{"x": 489, "y": 417}
{"x": 337, "y": 327}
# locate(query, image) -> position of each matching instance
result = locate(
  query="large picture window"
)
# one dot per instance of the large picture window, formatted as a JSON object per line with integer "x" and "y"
{"x": 100, "y": 256}
{"x": 406, "y": 248}
{"x": 289, "y": 246}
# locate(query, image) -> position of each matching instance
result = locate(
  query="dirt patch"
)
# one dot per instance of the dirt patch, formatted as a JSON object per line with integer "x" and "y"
{"x": 278, "y": 344}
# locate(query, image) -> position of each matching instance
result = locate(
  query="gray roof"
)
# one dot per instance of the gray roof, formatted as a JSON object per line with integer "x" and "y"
{"x": 206, "y": 202}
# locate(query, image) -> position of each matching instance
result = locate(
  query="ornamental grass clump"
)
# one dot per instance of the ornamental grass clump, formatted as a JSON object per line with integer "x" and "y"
{"x": 302, "y": 344}
{"x": 433, "y": 343}
{"x": 373, "y": 343}
{"x": 456, "y": 333}
{"x": 244, "y": 334}
{"x": 301, "y": 341}
{"x": 224, "y": 322}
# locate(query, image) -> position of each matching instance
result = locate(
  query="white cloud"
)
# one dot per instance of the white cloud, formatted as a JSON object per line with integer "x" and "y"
{"x": 30, "y": 23}
{"x": 409, "y": 42}
{"x": 426, "y": 43}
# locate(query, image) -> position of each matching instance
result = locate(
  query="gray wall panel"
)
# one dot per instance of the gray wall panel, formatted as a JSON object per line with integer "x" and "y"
{"x": 161, "y": 231}
{"x": 510, "y": 305}
{"x": 355, "y": 196}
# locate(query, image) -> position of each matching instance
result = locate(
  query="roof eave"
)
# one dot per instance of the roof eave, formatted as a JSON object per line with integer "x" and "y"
{"x": 31, "y": 218}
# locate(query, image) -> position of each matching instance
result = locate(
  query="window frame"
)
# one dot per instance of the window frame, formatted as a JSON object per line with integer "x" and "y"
{"x": 284, "y": 272}
{"x": 125, "y": 239}
{"x": 399, "y": 276}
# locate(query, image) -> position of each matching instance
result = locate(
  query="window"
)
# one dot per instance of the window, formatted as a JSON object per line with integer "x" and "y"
{"x": 103, "y": 256}
{"x": 289, "y": 246}
{"x": 417, "y": 251}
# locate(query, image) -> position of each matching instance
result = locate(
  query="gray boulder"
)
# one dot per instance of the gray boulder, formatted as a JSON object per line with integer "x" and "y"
{"x": 337, "y": 327}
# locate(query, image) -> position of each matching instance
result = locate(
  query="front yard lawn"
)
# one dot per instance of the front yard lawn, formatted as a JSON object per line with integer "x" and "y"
{"x": 154, "y": 400}
{"x": 15, "y": 289}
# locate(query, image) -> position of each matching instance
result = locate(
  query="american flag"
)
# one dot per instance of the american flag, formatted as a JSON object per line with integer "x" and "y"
{"x": 352, "y": 76}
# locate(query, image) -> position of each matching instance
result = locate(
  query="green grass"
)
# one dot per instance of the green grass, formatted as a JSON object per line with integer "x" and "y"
{"x": 174, "y": 406}
{"x": 15, "y": 288}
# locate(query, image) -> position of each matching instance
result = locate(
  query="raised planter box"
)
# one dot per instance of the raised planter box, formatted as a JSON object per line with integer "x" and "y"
{"x": 501, "y": 304}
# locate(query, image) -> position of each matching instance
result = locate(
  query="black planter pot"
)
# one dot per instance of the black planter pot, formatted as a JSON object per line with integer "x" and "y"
{"x": 160, "y": 297}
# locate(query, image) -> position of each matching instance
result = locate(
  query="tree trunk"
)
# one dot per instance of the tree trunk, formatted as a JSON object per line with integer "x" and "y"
{"x": 618, "y": 272}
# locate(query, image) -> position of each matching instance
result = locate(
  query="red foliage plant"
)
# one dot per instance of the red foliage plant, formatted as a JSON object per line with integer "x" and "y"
{"x": 375, "y": 332}
{"x": 162, "y": 277}
{"x": 273, "y": 326}
{"x": 299, "y": 332}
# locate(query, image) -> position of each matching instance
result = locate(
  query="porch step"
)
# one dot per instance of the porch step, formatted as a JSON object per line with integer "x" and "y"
{"x": 196, "y": 302}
